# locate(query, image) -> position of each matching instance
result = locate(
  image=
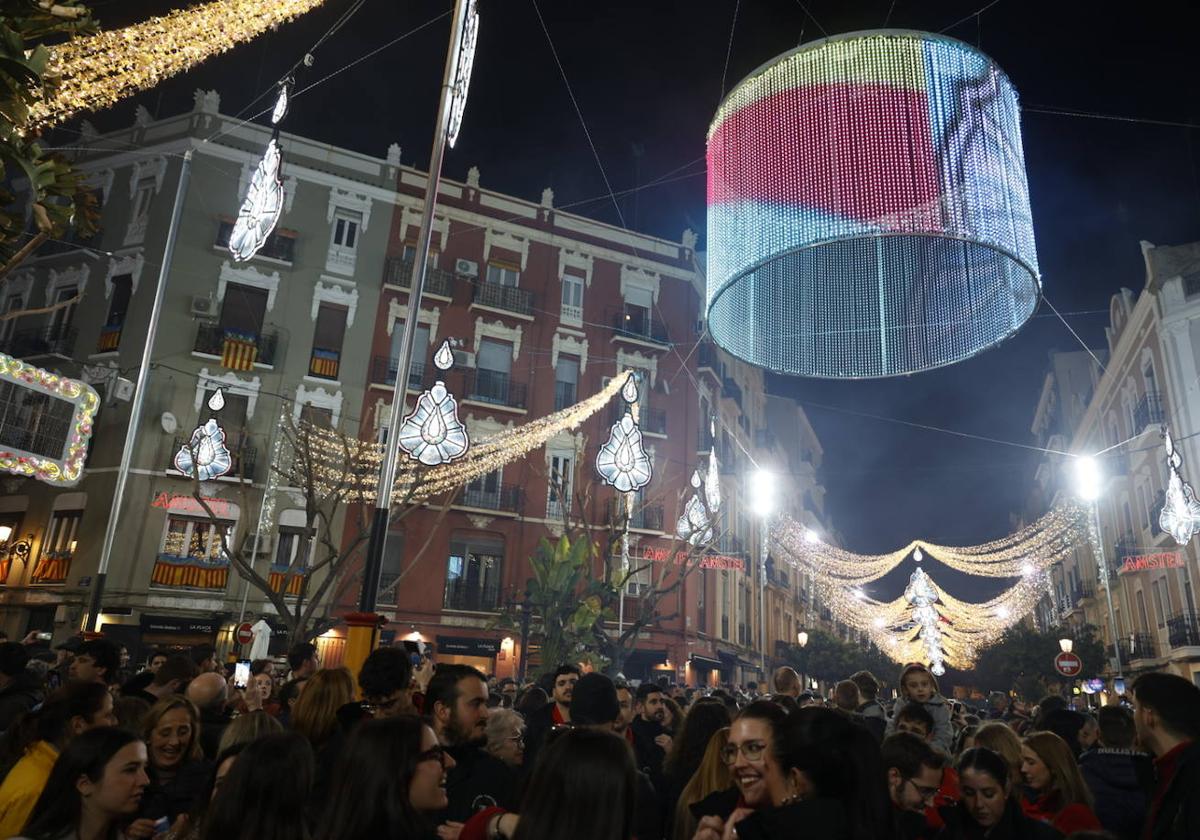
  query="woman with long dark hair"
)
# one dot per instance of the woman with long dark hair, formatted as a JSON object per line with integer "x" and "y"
{"x": 750, "y": 755}
{"x": 262, "y": 796}
{"x": 989, "y": 807}
{"x": 829, "y": 781}
{"x": 704, "y": 719}
{"x": 389, "y": 782}
{"x": 584, "y": 788}
{"x": 96, "y": 786}
{"x": 37, "y": 739}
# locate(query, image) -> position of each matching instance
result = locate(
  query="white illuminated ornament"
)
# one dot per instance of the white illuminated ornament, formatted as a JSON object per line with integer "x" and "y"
{"x": 622, "y": 462}
{"x": 263, "y": 203}
{"x": 205, "y": 456}
{"x": 922, "y": 594}
{"x": 281, "y": 105}
{"x": 432, "y": 433}
{"x": 1180, "y": 515}
{"x": 462, "y": 73}
{"x": 695, "y": 526}
{"x": 918, "y": 556}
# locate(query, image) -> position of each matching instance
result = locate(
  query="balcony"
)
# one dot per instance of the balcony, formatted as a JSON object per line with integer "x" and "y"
{"x": 279, "y": 245}
{"x": 324, "y": 363}
{"x": 1138, "y": 646}
{"x": 650, "y": 420}
{"x": 1184, "y": 630}
{"x": 564, "y": 395}
{"x": 245, "y": 456}
{"x": 399, "y": 272}
{"x": 503, "y": 497}
{"x": 232, "y": 346}
{"x": 463, "y": 595}
{"x": 707, "y": 358}
{"x": 493, "y": 387}
{"x": 731, "y": 390}
{"x": 1081, "y": 593}
{"x": 765, "y": 439}
{"x": 572, "y": 315}
{"x": 645, "y": 517}
{"x": 383, "y": 372}
{"x": 507, "y": 298}
{"x": 1149, "y": 412}
{"x": 53, "y": 340}
{"x": 636, "y": 324}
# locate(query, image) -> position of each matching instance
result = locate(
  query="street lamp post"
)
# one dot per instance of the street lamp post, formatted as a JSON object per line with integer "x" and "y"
{"x": 762, "y": 494}
{"x": 1088, "y": 487}
{"x": 526, "y": 612}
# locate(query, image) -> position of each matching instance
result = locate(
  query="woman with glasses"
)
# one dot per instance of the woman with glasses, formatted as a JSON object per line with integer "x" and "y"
{"x": 748, "y": 755}
{"x": 390, "y": 782}
{"x": 506, "y": 736}
{"x": 814, "y": 770}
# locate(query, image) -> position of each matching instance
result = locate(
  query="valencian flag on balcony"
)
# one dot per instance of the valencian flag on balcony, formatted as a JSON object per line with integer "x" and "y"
{"x": 52, "y": 567}
{"x": 239, "y": 351}
{"x": 190, "y": 573}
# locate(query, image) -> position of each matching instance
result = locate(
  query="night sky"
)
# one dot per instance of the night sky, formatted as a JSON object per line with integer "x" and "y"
{"x": 648, "y": 75}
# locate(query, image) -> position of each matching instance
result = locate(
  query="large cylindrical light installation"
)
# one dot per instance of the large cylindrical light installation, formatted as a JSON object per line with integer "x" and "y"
{"x": 868, "y": 213}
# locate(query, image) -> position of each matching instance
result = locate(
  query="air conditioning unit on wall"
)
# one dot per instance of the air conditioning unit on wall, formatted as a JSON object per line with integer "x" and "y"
{"x": 468, "y": 268}
{"x": 203, "y": 306}
{"x": 463, "y": 359}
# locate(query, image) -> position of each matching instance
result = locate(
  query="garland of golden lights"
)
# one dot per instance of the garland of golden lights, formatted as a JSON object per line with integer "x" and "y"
{"x": 965, "y": 628}
{"x": 352, "y": 466}
{"x": 96, "y": 71}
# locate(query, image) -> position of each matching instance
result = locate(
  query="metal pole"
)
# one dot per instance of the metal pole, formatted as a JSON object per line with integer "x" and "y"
{"x": 387, "y": 471}
{"x": 268, "y": 502}
{"x": 139, "y": 398}
{"x": 762, "y": 597}
{"x": 526, "y": 611}
{"x": 1098, "y": 545}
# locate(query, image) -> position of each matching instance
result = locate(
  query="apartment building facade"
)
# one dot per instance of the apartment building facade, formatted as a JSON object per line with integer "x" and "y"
{"x": 1149, "y": 382}
{"x": 288, "y": 331}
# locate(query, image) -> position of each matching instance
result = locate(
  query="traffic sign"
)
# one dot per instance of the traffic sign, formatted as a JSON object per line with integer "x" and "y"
{"x": 1068, "y": 664}
{"x": 245, "y": 633}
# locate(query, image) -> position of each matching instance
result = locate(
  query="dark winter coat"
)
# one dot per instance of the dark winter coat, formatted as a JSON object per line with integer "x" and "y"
{"x": 1014, "y": 825}
{"x": 720, "y": 804}
{"x": 650, "y": 756}
{"x": 824, "y": 818}
{"x": 476, "y": 781}
{"x": 18, "y": 697}
{"x": 1121, "y": 782}
{"x": 1178, "y": 817}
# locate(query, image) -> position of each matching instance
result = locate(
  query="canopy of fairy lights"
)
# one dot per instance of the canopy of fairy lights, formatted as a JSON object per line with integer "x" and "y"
{"x": 868, "y": 211}
{"x": 926, "y": 623}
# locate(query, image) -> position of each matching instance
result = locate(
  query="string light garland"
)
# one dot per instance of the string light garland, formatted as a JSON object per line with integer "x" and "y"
{"x": 927, "y": 623}
{"x": 97, "y": 71}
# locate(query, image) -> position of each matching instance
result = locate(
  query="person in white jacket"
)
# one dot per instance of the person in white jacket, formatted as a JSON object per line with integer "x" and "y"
{"x": 918, "y": 686}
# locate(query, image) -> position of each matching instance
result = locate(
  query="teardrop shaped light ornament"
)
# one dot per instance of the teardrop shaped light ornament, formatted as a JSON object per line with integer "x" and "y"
{"x": 281, "y": 103}
{"x": 432, "y": 433}
{"x": 622, "y": 462}
{"x": 629, "y": 391}
{"x": 217, "y": 401}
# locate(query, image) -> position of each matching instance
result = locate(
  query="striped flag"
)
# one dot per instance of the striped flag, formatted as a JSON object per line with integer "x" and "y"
{"x": 239, "y": 352}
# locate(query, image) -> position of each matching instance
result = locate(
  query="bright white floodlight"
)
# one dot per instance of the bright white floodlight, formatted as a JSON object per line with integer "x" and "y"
{"x": 1087, "y": 478}
{"x": 1066, "y": 645}
{"x": 762, "y": 492}
{"x": 811, "y": 537}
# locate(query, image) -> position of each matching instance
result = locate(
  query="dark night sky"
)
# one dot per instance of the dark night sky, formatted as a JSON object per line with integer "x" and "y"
{"x": 648, "y": 75}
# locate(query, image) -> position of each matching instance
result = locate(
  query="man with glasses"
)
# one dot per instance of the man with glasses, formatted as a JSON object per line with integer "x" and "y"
{"x": 386, "y": 682}
{"x": 914, "y": 776}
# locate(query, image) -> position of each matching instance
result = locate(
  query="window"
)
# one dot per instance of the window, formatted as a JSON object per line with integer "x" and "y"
{"x": 640, "y": 578}
{"x": 566, "y": 381}
{"x": 321, "y": 418}
{"x": 638, "y": 303}
{"x": 34, "y": 422}
{"x": 560, "y": 485}
{"x": 473, "y": 573}
{"x": 1141, "y": 605}
{"x": 1159, "y": 607}
{"x": 8, "y": 326}
{"x": 1191, "y": 284}
{"x": 493, "y": 363}
{"x": 279, "y": 245}
{"x": 292, "y": 549}
{"x": 345, "y": 229}
{"x": 502, "y": 275}
{"x": 420, "y": 355}
{"x": 243, "y": 310}
{"x": 62, "y": 536}
{"x": 484, "y": 491}
{"x": 572, "y": 299}
{"x": 118, "y": 308}
{"x": 195, "y": 539}
{"x": 142, "y": 199}
{"x": 61, "y": 318}
{"x": 328, "y": 334}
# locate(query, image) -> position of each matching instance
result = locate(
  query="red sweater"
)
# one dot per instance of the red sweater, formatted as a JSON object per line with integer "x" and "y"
{"x": 1072, "y": 818}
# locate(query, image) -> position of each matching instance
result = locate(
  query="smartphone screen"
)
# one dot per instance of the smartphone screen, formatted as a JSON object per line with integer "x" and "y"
{"x": 241, "y": 674}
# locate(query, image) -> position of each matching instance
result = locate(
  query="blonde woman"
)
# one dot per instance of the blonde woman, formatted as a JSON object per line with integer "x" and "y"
{"x": 246, "y": 728}
{"x": 315, "y": 715}
{"x": 712, "y": 775}
{"x": 177, "y": 769}
{"x": 1063, "y": 798}
{"x": 1000, "y": 739}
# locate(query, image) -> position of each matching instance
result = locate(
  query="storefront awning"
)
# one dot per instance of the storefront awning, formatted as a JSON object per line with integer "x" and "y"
{"x": 704, "y": 662}
{"x": 640, "y": 655}
{"x": 180, "y": 626}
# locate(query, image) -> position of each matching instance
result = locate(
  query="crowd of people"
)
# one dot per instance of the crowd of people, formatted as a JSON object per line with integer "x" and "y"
{"x": 403, "y": 749}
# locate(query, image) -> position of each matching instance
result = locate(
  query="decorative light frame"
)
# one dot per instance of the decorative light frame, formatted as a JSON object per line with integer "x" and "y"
{"x": 868, "y": 209}
{"x": 67, "y": 469}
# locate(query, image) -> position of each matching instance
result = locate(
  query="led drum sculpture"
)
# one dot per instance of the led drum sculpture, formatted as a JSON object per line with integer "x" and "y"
{"x": 868, "y": 213}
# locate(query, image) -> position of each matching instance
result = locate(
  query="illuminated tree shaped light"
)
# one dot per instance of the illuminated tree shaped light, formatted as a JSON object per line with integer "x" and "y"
{"x": 921, "y": 593}
{"x": 264, "y": 197}
{"x": 1180, "y": 515}
{"x": 205, "y": 456}
{"x": 432, "y": 433}
{"x": 622, "y": 462}
{"x": 868, "y": 211}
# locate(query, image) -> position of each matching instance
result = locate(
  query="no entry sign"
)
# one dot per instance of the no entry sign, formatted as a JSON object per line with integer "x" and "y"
{"x": 245, "y": 633}
{"x": 1068, "y": 664}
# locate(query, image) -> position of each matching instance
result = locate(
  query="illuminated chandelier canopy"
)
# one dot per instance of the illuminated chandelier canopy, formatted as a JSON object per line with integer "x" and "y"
{"x": 433, "y": 434}
{"x": 622, "y": 462}
{"x": 205, "y": 456}
{"x": 1180, "y": 514}
{"x": 868, "y": 211}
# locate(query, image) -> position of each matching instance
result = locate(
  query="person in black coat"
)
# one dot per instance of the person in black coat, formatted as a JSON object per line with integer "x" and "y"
{"x": 1119, "y": 777}
{"x": 989, "y": 806}
{"x": 650, "y": 738}
{"x": 1166, "y": 710}
{"x": 20, "y": 689}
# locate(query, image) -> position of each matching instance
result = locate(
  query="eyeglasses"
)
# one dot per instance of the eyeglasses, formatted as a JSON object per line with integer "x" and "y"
{"x": 517, "y": 738}
{"x": 437, "y": 754}
{"x": 753, "y": 750}
{"x": 927, "y": 793}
